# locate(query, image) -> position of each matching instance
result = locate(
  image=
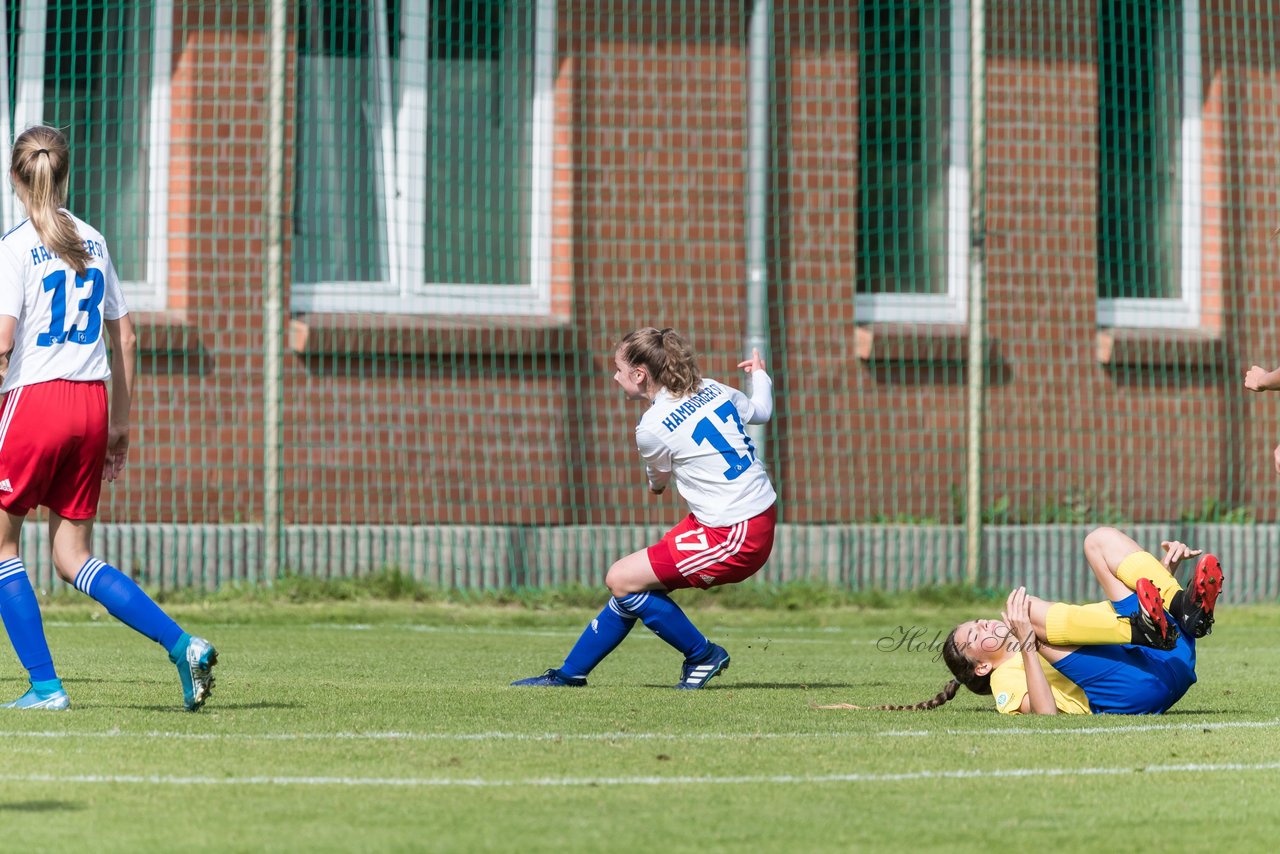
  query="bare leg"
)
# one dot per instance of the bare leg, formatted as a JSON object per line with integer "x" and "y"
{"x": 632, "y": 574}
{"x": 1039, "y": 612}
{"x": 1106, "y": 549}
{"x": 10, "y": 535}
{"x": 70, "y": 541}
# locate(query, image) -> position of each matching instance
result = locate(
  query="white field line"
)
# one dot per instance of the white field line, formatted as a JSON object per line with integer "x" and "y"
{"x": 1124, "y": 731}
{"x": 542, "y": 782}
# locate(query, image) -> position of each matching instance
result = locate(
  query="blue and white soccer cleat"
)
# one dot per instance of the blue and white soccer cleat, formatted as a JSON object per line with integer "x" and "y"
{"x": 194, "y": 658}
{"x": 551, "y": 679}
{"x": 698, "y": 674}
{"x": 54, "y": 701}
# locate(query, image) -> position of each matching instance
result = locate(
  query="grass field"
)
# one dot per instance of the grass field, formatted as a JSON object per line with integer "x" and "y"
{"x": 389, "y": 726}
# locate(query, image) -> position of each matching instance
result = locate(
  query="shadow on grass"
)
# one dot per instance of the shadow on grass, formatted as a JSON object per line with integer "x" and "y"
{"x": 40, "y": 806}
{"x": 215, "y": 706}
{"x": 780, "y": 686}
{"x": 1177, "y": 711}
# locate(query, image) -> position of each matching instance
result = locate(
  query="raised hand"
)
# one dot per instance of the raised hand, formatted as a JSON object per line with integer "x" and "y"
{"x": 1017, "y": 616}
{"x": 1255, "y": 379}
{"x": 1175, "y": 552}
{"x": 755, "y": 363}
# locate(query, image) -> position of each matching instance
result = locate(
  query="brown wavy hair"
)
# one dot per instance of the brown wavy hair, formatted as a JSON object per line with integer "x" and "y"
{"x": 40, "y": 166}
{"x": 668, "y": 358}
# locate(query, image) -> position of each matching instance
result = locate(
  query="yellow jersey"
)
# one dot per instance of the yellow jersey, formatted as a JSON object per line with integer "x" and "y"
{"x": 1009, "y": 686}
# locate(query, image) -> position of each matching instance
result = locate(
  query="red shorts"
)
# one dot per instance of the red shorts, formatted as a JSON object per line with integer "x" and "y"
{"x": 696, "y": 555}
{"x": 53, "y": 444}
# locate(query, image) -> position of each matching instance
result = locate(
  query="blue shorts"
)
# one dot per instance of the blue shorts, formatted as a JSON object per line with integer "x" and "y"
{"x": 1123, "y": 679}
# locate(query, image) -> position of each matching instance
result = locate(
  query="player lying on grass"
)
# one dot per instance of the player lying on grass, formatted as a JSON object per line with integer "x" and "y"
{"x": 1127, "y": 655}
{"x": 692, "y": 433}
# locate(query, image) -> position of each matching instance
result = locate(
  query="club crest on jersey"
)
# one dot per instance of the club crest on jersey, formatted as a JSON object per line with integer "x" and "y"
{"x": 692, "y": 541}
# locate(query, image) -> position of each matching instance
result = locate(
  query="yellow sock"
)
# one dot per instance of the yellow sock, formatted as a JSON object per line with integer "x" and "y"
{"x": 1144, "y": 565}
{"x": 1085, "y": 625}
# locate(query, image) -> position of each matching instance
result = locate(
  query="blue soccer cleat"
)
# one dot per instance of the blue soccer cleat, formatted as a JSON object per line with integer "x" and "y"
{"x": 194, "y": 658}
{"x": 698, "y": 674}
{"x": 551, "y": 679}
{"x": 52, "y": 701}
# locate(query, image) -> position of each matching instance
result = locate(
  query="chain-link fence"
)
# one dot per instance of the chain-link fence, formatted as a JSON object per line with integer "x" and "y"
{"x": 380, "y": 262}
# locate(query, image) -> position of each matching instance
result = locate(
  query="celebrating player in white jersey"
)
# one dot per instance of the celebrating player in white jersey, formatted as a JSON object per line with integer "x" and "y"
{"x": 695, "y": 432}
{"x": 58, "y": 293}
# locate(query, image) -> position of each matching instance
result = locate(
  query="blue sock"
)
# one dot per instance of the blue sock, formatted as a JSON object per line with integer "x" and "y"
{"x": 20, "y": 611}
{"x": 598, "y": 640}
{"x": 664, "y": 618}
{"x": 126, "y": 601}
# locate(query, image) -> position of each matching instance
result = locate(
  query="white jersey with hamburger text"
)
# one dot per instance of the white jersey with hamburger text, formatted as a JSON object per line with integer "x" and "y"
{"x": 701, "y": 440}
{"x": 60, "y": 313}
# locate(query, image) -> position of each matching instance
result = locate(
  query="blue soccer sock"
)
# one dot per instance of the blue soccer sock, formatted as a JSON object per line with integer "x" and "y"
{"x": 664, "y": 618}
{"x": 20, "y": 611}
{"x": 598, "y": 639}
{"x": 127, "y": 602}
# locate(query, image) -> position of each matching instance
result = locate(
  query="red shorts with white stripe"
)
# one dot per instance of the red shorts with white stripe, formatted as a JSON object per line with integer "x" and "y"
{"x": 53, "y": 444}
{"x": 696, "y": 555}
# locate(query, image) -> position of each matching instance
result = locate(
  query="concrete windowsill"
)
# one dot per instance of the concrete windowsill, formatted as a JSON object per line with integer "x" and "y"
{"x": 1125, "y": 347}
{"x": 425, "y": 335}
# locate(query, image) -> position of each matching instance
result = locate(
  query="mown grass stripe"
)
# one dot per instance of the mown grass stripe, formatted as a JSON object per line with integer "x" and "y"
{"x": 547, "y": 782}
{"x": 1207, "y": 726}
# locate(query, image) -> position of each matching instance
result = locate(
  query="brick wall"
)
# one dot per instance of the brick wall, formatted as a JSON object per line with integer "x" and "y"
{"x": 648, "y": 219}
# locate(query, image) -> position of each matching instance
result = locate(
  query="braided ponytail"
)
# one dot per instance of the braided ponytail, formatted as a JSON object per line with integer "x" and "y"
{"x": 961, "y": 668}
{"x": 947, "y": 693}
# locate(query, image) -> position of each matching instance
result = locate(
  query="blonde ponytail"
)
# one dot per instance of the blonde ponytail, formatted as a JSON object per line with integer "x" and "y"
{"x": 40, "y": 166}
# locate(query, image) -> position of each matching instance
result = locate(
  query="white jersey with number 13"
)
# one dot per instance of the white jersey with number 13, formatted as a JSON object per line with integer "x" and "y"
{"x": 60, "y": 314}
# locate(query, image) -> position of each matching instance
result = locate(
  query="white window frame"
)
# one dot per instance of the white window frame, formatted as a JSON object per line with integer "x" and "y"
{"x": 402, "y": 175}
{"x": 1184, "y": 312}
{"x": 151, "y": 293}
{"x": 953, "y": 306}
